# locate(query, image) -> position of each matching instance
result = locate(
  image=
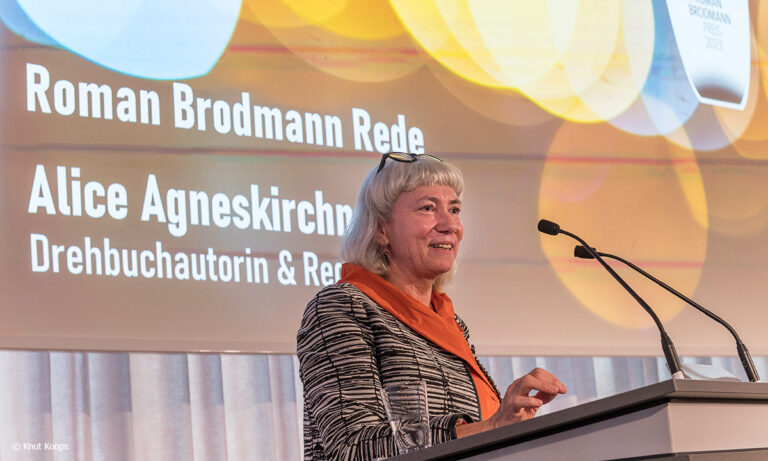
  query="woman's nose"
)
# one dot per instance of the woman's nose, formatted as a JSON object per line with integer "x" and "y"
{"x": 447, "y": 221}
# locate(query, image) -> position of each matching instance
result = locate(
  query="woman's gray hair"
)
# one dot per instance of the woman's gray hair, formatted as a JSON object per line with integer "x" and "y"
{"x": 378, "y": 194}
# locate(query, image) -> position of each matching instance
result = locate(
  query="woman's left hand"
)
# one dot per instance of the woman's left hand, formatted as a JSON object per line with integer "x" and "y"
{"x": 518, "y": 404}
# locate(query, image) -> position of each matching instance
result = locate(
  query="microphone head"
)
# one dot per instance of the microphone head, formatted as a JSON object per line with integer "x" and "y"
{"x": 581, "y": 252}
{"x": 548, "y": 227}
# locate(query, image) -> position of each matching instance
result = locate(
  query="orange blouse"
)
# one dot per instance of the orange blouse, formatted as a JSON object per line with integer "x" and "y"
{"x": 438, "y": 326}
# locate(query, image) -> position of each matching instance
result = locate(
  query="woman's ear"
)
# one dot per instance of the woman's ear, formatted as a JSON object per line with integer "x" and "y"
{"x": 381, "y": 234}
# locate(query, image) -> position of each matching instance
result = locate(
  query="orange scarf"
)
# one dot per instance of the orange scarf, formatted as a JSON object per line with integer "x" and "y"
{"x": 438, "y": 326}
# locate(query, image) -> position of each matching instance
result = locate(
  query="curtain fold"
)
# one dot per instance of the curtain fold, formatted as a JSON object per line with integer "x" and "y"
{"x": 71, "y": 403}
{"x": 160, "y": 406}
{"x": 109, "y": 383}
{"x": 206, "y": 408}
{"x": 88, "y": 406}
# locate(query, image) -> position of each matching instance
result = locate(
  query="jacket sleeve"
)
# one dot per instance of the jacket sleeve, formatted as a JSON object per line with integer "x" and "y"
{"x": 342, "y": 381}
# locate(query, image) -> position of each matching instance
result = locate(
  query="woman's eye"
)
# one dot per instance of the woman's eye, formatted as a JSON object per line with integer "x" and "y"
{"x": 427, "y": 208}
{"x": 455, "y": 210}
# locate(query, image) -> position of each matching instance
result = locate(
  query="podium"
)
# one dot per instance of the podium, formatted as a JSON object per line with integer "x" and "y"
{"x": 670, "y": 420}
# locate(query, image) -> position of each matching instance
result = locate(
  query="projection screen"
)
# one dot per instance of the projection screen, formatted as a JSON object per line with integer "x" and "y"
{"x": 176, "y": 176}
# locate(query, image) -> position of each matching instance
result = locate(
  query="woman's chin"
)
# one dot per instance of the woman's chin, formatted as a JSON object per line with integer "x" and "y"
{"x": 441, "y": 269}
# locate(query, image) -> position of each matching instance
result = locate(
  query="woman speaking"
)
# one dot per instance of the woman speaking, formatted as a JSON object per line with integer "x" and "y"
{"x": 388, "y": 320}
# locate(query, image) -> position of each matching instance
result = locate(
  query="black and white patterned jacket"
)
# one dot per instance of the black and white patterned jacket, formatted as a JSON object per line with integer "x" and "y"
{"x": 348, "y": 348}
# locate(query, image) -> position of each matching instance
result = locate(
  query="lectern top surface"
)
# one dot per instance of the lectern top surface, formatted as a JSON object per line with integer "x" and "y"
{"x": 673, "y": 390}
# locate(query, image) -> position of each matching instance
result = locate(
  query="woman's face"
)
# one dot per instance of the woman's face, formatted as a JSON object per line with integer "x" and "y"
{"x": 423, "y": 232}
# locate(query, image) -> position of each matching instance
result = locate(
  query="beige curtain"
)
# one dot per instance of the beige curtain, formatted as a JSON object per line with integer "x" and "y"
{"x": 62, "y": 406}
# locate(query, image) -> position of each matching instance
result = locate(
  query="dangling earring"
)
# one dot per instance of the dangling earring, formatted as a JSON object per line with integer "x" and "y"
{"x": 385, "y": 254}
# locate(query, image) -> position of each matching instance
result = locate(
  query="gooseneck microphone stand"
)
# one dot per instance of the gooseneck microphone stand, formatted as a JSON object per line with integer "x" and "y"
{"x": 673, "y": 361}
{"x": 580, "y": 251}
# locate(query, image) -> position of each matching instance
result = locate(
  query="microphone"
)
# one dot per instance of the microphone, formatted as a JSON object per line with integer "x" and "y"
{"x": 673, "y": 361}
{"x": 746, "y": 359}
{"x": 548, "y": 227}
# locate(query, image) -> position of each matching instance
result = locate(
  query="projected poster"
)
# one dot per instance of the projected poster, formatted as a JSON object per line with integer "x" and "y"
{"x": 176, "y": 176}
